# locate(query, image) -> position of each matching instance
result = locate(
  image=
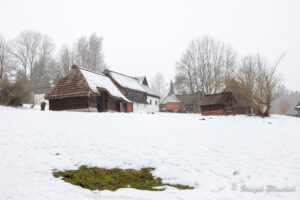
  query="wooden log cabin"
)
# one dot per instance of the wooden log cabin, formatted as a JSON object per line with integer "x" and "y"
{"x": 218, "y": 104}
{"x": 85, "y": 90}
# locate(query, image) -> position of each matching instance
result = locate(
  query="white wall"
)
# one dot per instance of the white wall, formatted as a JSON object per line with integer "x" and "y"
{"x": 153, "y": 106}
{"x": 39, "y": 98}
{"x": 150, "y": 107}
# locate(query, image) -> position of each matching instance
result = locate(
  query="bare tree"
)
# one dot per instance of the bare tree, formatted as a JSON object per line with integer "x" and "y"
{"x": 66, "y": 59}
{"x": 81, "y": 52}
{"x": 25, "y": 50}
{"x": 40, "y": 79}
{"x": 55, "y": 71}
{"x": 96, "y": 59}
{"x": 88, "y": 53}
{"x": 260, "y": 82}
{"x": 158, "y": 84}
{"x": 204, "y": 67}
{"x": 4, "y": 57}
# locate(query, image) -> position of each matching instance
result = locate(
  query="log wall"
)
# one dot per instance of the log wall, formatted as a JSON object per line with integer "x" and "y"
{"x": 69, "y": 103}
{"x": 219, "y": 109}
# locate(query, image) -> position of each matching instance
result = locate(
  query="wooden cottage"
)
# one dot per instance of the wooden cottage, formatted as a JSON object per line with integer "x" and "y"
{"x": 85, "y": 90}
{"x": 218, "y": 104}
{"x": 136, "y": 90}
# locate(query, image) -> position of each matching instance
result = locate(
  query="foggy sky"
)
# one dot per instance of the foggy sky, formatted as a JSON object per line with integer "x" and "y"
{"x": 145, "y": 37}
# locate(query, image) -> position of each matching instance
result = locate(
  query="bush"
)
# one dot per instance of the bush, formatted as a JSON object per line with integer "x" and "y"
{"x": 17, "y": 93}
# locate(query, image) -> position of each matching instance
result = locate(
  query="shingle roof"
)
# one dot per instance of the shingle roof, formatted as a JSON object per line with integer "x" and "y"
{"x": 213, "y": 99}
{"x": 81, "y": 82}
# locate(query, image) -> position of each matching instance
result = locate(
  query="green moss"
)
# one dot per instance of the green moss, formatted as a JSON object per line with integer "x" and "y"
{"x": 112, "y": 179}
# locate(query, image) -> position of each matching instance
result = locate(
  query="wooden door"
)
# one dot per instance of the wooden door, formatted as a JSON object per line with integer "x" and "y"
{"x": 99, "y": 104}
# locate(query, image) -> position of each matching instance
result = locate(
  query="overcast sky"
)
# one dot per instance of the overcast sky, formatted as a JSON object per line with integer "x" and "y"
{"x": 145, "y": 37}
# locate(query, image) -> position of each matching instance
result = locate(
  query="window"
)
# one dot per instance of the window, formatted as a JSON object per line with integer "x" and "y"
{"x": 156, "y": 102}
{"x": 150, "y": 102}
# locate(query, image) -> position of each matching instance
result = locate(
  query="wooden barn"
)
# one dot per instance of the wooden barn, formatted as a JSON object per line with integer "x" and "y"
{"x": 218, "y": 104}
{"x": 85, "y": 90}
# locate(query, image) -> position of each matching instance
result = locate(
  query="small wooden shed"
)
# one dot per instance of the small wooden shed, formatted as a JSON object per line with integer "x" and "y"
{"x": 85, "y": 90}
{"x": 218, "y": 104}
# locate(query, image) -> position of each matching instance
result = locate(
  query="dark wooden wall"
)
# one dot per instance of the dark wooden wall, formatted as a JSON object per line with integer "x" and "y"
{"x": 212, "y": 110}
{"x": 68, "y": 103}
{"x": 218, "y": 109}
{"x": 107, "y": 103}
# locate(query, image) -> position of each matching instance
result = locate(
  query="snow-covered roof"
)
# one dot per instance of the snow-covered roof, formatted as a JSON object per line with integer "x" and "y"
{"x": 149, "y": 90}
{"x": 170, "y": 98}
{"x": 97, "y": 80}
{"x": 140, "y": 79}
{"x": 127, "y": 81}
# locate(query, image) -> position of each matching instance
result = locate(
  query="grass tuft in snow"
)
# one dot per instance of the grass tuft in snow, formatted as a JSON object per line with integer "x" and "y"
{"x": 94, "y": 178}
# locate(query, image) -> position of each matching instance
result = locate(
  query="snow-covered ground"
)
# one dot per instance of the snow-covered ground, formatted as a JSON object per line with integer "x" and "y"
{"x": 183, "y": 149}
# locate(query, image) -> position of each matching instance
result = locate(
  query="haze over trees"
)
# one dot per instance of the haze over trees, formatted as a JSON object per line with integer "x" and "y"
{"x": 159, "y": 85}
{"x": 208, "y": 66}
{"x": 31, "y": 55}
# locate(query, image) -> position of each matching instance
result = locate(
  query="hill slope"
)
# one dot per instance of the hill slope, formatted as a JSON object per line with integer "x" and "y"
{"x": 183, "y": 149}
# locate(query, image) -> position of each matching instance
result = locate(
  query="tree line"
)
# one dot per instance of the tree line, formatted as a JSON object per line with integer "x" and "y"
{"x": 30, "y": 59}
{"x": 209, "y": 66}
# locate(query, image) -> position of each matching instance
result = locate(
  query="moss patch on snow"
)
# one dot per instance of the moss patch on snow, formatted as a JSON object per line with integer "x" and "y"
{"x": 94, "y": 178}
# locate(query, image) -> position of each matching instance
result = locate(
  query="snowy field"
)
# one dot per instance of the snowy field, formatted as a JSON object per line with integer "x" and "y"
{"x": 184, "y": 149}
